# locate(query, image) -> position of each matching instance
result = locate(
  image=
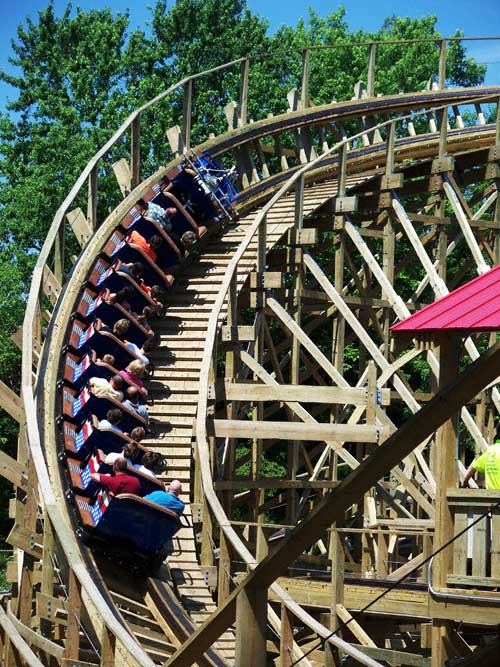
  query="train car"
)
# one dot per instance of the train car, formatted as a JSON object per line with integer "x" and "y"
{"x": 129, "y": 527}
{"x": 211, "y": 186}
{"x": 193, "y": 196}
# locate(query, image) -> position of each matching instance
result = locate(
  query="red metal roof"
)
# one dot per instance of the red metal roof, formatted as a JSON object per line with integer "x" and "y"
{"x": 473, "y": 307}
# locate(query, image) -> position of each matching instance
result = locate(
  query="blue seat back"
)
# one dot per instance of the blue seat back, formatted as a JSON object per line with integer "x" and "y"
{"x": 128, "y": 521}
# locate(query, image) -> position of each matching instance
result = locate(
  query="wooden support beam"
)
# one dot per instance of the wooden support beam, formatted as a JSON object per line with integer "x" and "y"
{"x": 304, "y": 88}
{"x": 135, "y": 152}
{"x": 354, "y": 626}
{"x": 301, "y": 393}
{"x": 337, "y": 557}
{"x": 74, "y": 609}
{"x": 50, "y": 285}
{"x": 123, "y": 176}
{"x": 243, "y": 105}
{"x": 446, "y": 477}
{"x": 80, "y": 226}
{"x": 12, "y": 470}
{"x": 187, "y": 107}
{"x": 59, "y": 253}
{"x": 92, "y": 198}
{"x": 238, "y": 334}
{"x": 35, "y": 639}
{"x": 12, "y": 632}
{"x": 251, "y": 627}
{"x": 442, "y": 65}
{"x": 458, "y": 203}
{"x": 234, "y": 428}
{"x": 278, "y": 483}
{"x": 414, "y": 430}
{"x": 108, "y": 648}
{"x": 370, "y": 77}
{"x": 286, "y": 638}
{"x": 11, "y": 402}
{"x": 174, "y": 137}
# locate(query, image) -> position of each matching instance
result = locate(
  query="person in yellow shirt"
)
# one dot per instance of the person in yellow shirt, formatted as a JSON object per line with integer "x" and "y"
{"x": 489, "y": 464}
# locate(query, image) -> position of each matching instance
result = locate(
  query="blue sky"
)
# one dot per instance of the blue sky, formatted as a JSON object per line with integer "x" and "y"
{"x": 366, "y": 14}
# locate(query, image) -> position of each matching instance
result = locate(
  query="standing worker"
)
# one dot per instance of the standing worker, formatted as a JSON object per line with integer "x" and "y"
{"x": 489, "y": 464}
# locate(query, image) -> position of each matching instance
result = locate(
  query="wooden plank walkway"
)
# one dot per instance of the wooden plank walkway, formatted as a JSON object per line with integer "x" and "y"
{"x": 177, "y": 363}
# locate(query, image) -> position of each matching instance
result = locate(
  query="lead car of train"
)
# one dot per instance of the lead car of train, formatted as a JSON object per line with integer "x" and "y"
{"x": 123, "y": 280}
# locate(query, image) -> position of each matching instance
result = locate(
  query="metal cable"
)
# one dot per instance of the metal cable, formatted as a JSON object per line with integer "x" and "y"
{"x": 395, "y": 584}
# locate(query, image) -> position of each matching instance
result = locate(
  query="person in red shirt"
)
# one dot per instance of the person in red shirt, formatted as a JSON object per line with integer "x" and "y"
{"x": 148, "y": 247}
{"x": 121, "y": 482}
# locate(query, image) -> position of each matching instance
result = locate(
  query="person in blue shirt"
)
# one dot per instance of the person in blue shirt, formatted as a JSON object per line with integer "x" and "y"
{"x": 170, "y": 498}
{"x": 113, "y": 417}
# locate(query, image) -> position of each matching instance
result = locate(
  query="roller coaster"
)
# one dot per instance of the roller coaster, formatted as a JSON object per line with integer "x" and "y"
{"x": 314, "y": 232}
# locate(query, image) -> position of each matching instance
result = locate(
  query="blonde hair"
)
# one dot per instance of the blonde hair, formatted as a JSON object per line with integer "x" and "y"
{"x": 121, "y": 327}
{"x": 136, "y": 368}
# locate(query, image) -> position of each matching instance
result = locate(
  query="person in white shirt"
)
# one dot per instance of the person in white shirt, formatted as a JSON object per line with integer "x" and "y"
{"x": 113, "y": 418}
{"x": 107, "y": 388}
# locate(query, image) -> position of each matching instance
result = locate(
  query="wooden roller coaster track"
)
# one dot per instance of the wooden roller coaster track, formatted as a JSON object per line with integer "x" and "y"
{"x": 276, "y": 338}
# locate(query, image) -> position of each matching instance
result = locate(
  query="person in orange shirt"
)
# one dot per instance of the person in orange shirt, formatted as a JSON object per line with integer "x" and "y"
{"x": 148, "y": 247}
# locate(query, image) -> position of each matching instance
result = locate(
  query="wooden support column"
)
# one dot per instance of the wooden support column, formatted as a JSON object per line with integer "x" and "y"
{"x": 496, "y": 214}
{"x": 286, "y": 637}
{"x": 92, "y": 198}
{"x": 446, "y": 477}
{"x": 206, "y": 555}
{"x": 296, "y": 269}
{"x": 244, "y": 73}
{"x": 304, "y": 87}
{"x": 251, "y": 626}
{"x": 186, "y": 115}
{"x": 72, "y": 642}
{"x": 59, "y": 253}
{"x": 13, "y": 404}
{"x": 261, "y": 548}
{"x": 370, "y": 78}
{"x": 338, "y": 321}
{"x": 388, "y": 267}
{"x": 333, "y": 658}
{"x": 224, "y": 581}
{"x": 24, "y": 606}
{"x": 47, "y": 587}
{"x": 135, "y": 152}
{"x": 108, "y": 647}
{"x": 442, "y": 65}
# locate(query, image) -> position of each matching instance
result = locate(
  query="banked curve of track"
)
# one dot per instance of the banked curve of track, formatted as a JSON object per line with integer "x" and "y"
{"x": 56, "y": 334}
